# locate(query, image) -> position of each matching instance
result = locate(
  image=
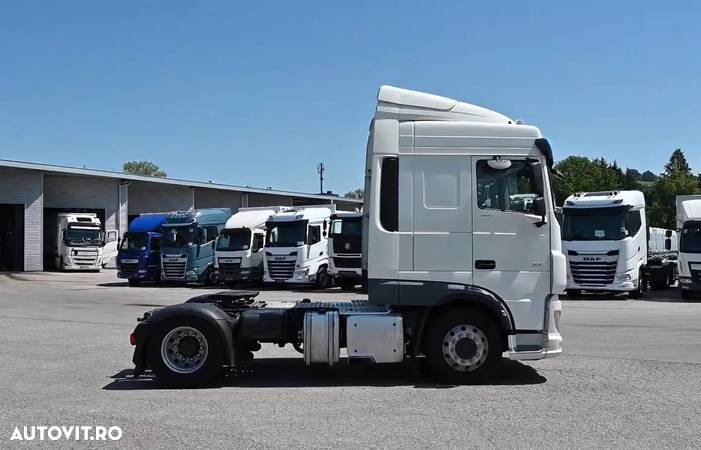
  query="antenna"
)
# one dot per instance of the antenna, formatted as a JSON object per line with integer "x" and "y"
{"x": 320, "y": 170}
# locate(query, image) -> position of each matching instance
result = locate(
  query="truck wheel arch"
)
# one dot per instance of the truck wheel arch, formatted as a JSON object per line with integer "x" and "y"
{"x": 474, "y": 298}
{"x": 221, "y": 322}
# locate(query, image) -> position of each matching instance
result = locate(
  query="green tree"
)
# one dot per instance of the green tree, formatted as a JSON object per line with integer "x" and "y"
{"x": 661, "y": 197}
{"x": 648, "y": 176}
{"x": 586, "y": 175}
{"x": 630, "y": 180}
{"x": 358, "y": 194}
{"x": 146, "y": 168}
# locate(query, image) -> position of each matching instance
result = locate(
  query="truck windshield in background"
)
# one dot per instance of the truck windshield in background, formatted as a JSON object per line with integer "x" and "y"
{"x": 286, "y": 234}
{"x": 134, "y": 241}
{"x": 347, "y": 227}
{"x": 234, "y": 240}
{"x": 690, "y": 241}
{"x": 83, "y": 235}
{"x": 599, "y": 224}
{"x": 178, "y": 236}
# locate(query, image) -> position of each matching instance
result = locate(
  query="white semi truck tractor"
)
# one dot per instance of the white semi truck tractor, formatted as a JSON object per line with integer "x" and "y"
{"x": 689, "y": 226}
{"x": 240, "y": 246}
{"x": 458, "y": 272}
{"x": 609, "y": 246}
{"x": 296, "y": 246}
{"x": 76, "y": 241}
{"x": 345, "y": 244}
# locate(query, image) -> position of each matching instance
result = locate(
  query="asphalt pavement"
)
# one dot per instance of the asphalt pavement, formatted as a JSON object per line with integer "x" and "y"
{"x": 630, "y": 377}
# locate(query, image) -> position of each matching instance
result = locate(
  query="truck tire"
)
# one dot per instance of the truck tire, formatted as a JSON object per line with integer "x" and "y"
{"x": 185, "y": 352}
{"x": 346, "y": 284}
{"x": 462, "y": 346}
{"x": 322, "y": 278}
{"x": 640, "y": 290}
{"x": 134, "y": 282}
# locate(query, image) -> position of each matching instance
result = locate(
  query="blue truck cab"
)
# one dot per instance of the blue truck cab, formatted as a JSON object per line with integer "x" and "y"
{"x": 139, "y": 252}
{"x": 187, "y": 244}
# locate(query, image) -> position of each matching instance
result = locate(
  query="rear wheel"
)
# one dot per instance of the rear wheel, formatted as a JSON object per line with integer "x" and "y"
{"x": 463, "y": 346}
{"x": 185, "y": 351}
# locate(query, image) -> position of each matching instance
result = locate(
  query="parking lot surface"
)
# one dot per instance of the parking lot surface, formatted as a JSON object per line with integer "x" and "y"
{"x": 630, "y": 377}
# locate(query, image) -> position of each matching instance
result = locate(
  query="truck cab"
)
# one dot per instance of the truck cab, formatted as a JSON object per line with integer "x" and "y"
{"x": 75, "y": 241}
{"x": 345, "y": 245}
{"x": 296, "y": 246}
{"x": 139, "y": 257}
{"x": 689, "y": 225}
{"x": 240, "y": 250}
{"x": 187, "y": 244}
{"x": 605, "y": 239}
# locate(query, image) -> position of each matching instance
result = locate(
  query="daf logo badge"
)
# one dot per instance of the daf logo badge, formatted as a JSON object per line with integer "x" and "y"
{"x": 347, "y": 246}
{"x": 591, "y": 258}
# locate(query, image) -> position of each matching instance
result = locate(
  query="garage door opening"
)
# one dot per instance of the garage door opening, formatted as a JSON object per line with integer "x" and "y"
{"x": 11, "y": 237}
{"x": 52, "y": 233}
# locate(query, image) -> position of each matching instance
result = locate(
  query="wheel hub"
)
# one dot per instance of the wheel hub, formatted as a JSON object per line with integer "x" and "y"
{"x": 465, "y": 347}
{"x": 184, "y": 349}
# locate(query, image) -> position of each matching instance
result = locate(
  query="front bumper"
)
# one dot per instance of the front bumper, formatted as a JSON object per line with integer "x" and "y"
{"x": 535, "y": 346}
{"x": 243, "y": 274}
{"x": 299, "y": 277}
{"x": 689, "y": 284}
{"x": 617, "y": 286}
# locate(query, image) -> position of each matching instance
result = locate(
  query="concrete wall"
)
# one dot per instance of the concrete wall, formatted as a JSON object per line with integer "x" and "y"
{"x": 152, "y": 197}
{"x": 24, "y": 187}
{"x": 83, "y": 192}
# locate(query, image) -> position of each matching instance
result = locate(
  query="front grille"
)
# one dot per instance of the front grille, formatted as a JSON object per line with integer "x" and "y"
{"x": 129, "y": 269}
{"x": 597, "y": 273}
{"x": 281, "y": 270}
{"x": 346, "y": 263}
{"x": 174, "y": 270}
{"x": 84, "y": 258}
{"x": 230, "y": 269}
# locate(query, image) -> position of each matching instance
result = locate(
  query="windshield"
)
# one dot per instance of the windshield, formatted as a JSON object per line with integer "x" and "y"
{"x": 178, "y": 236}
{"x": 134, "y": 241}
{"x": 690, "y": 241}
{"x": 599, "y": 224}
{"x": 347, "y": 227}
{"x": 286, "y": 234}
{"x": 83, "y": 235}
{"x": 234, "y": 240}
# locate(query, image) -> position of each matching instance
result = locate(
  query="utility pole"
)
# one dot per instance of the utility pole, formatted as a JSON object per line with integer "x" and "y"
{"x": 320, "y": 170}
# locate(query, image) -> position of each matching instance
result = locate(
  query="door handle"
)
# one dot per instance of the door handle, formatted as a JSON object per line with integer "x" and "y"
{"x": 485, "y": 264}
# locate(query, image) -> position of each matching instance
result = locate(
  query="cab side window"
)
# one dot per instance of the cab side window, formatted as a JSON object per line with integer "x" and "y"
{"x": 633, "y": 222}
{"x": 511, "y": 189}
{"x": 314, "y": 234}
{"x": 258, "y": 242}
{"x": 211, "y": 232}
{"x": 156, "y": 244}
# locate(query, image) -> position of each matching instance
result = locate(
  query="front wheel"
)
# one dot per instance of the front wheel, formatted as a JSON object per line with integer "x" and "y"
{"x": 134, "y": 282}
{"x": 687, "y": 295}
{"x": 322, "y": 278}
{"x": 640, "y": 289}
{"x": 185, "y": 351}
{"x": 346, "y": 284}
{"x": 463, "y": 346}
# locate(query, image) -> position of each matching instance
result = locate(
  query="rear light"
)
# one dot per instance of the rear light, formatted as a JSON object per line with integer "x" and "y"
{"x": 132, "y": 339}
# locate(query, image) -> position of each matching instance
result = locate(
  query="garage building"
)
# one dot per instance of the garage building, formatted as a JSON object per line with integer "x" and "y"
{"x": 30, "y": 192}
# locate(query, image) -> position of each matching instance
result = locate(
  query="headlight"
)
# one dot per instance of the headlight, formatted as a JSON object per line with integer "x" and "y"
{"x": 623, "y": 277}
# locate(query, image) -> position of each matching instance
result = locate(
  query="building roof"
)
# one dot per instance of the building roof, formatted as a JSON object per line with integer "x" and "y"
{"x": 173, "y": 181}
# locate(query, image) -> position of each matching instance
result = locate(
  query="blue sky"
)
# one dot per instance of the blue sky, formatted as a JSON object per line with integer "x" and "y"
{"x": 258, "y": 94}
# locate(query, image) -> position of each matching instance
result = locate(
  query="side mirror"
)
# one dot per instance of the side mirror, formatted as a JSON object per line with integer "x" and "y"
{"x": 536, "y": 169}
{"x": 539, "y": 210}
{"x": 668, "y": 243}
{"x": 214, "y": 244}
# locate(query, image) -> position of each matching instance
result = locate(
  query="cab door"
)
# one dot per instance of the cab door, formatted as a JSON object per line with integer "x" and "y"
{"x": 511, "y": 243}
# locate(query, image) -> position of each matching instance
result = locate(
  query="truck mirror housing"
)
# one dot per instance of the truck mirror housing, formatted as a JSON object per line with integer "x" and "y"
{"x": 668, "y": 242}
{"x": 536, "y": 169}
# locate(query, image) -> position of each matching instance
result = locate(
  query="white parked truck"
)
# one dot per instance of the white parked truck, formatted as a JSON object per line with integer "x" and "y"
{"x": 296, "y": 246}
{"x": 240, "y": 246}
{"x": 345, "y": 245}
{"x": 609, "y": 246}
{"x": 689, "y": 226}
{"x": 76, "y": 241}
{"x": 458, "y": 273}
